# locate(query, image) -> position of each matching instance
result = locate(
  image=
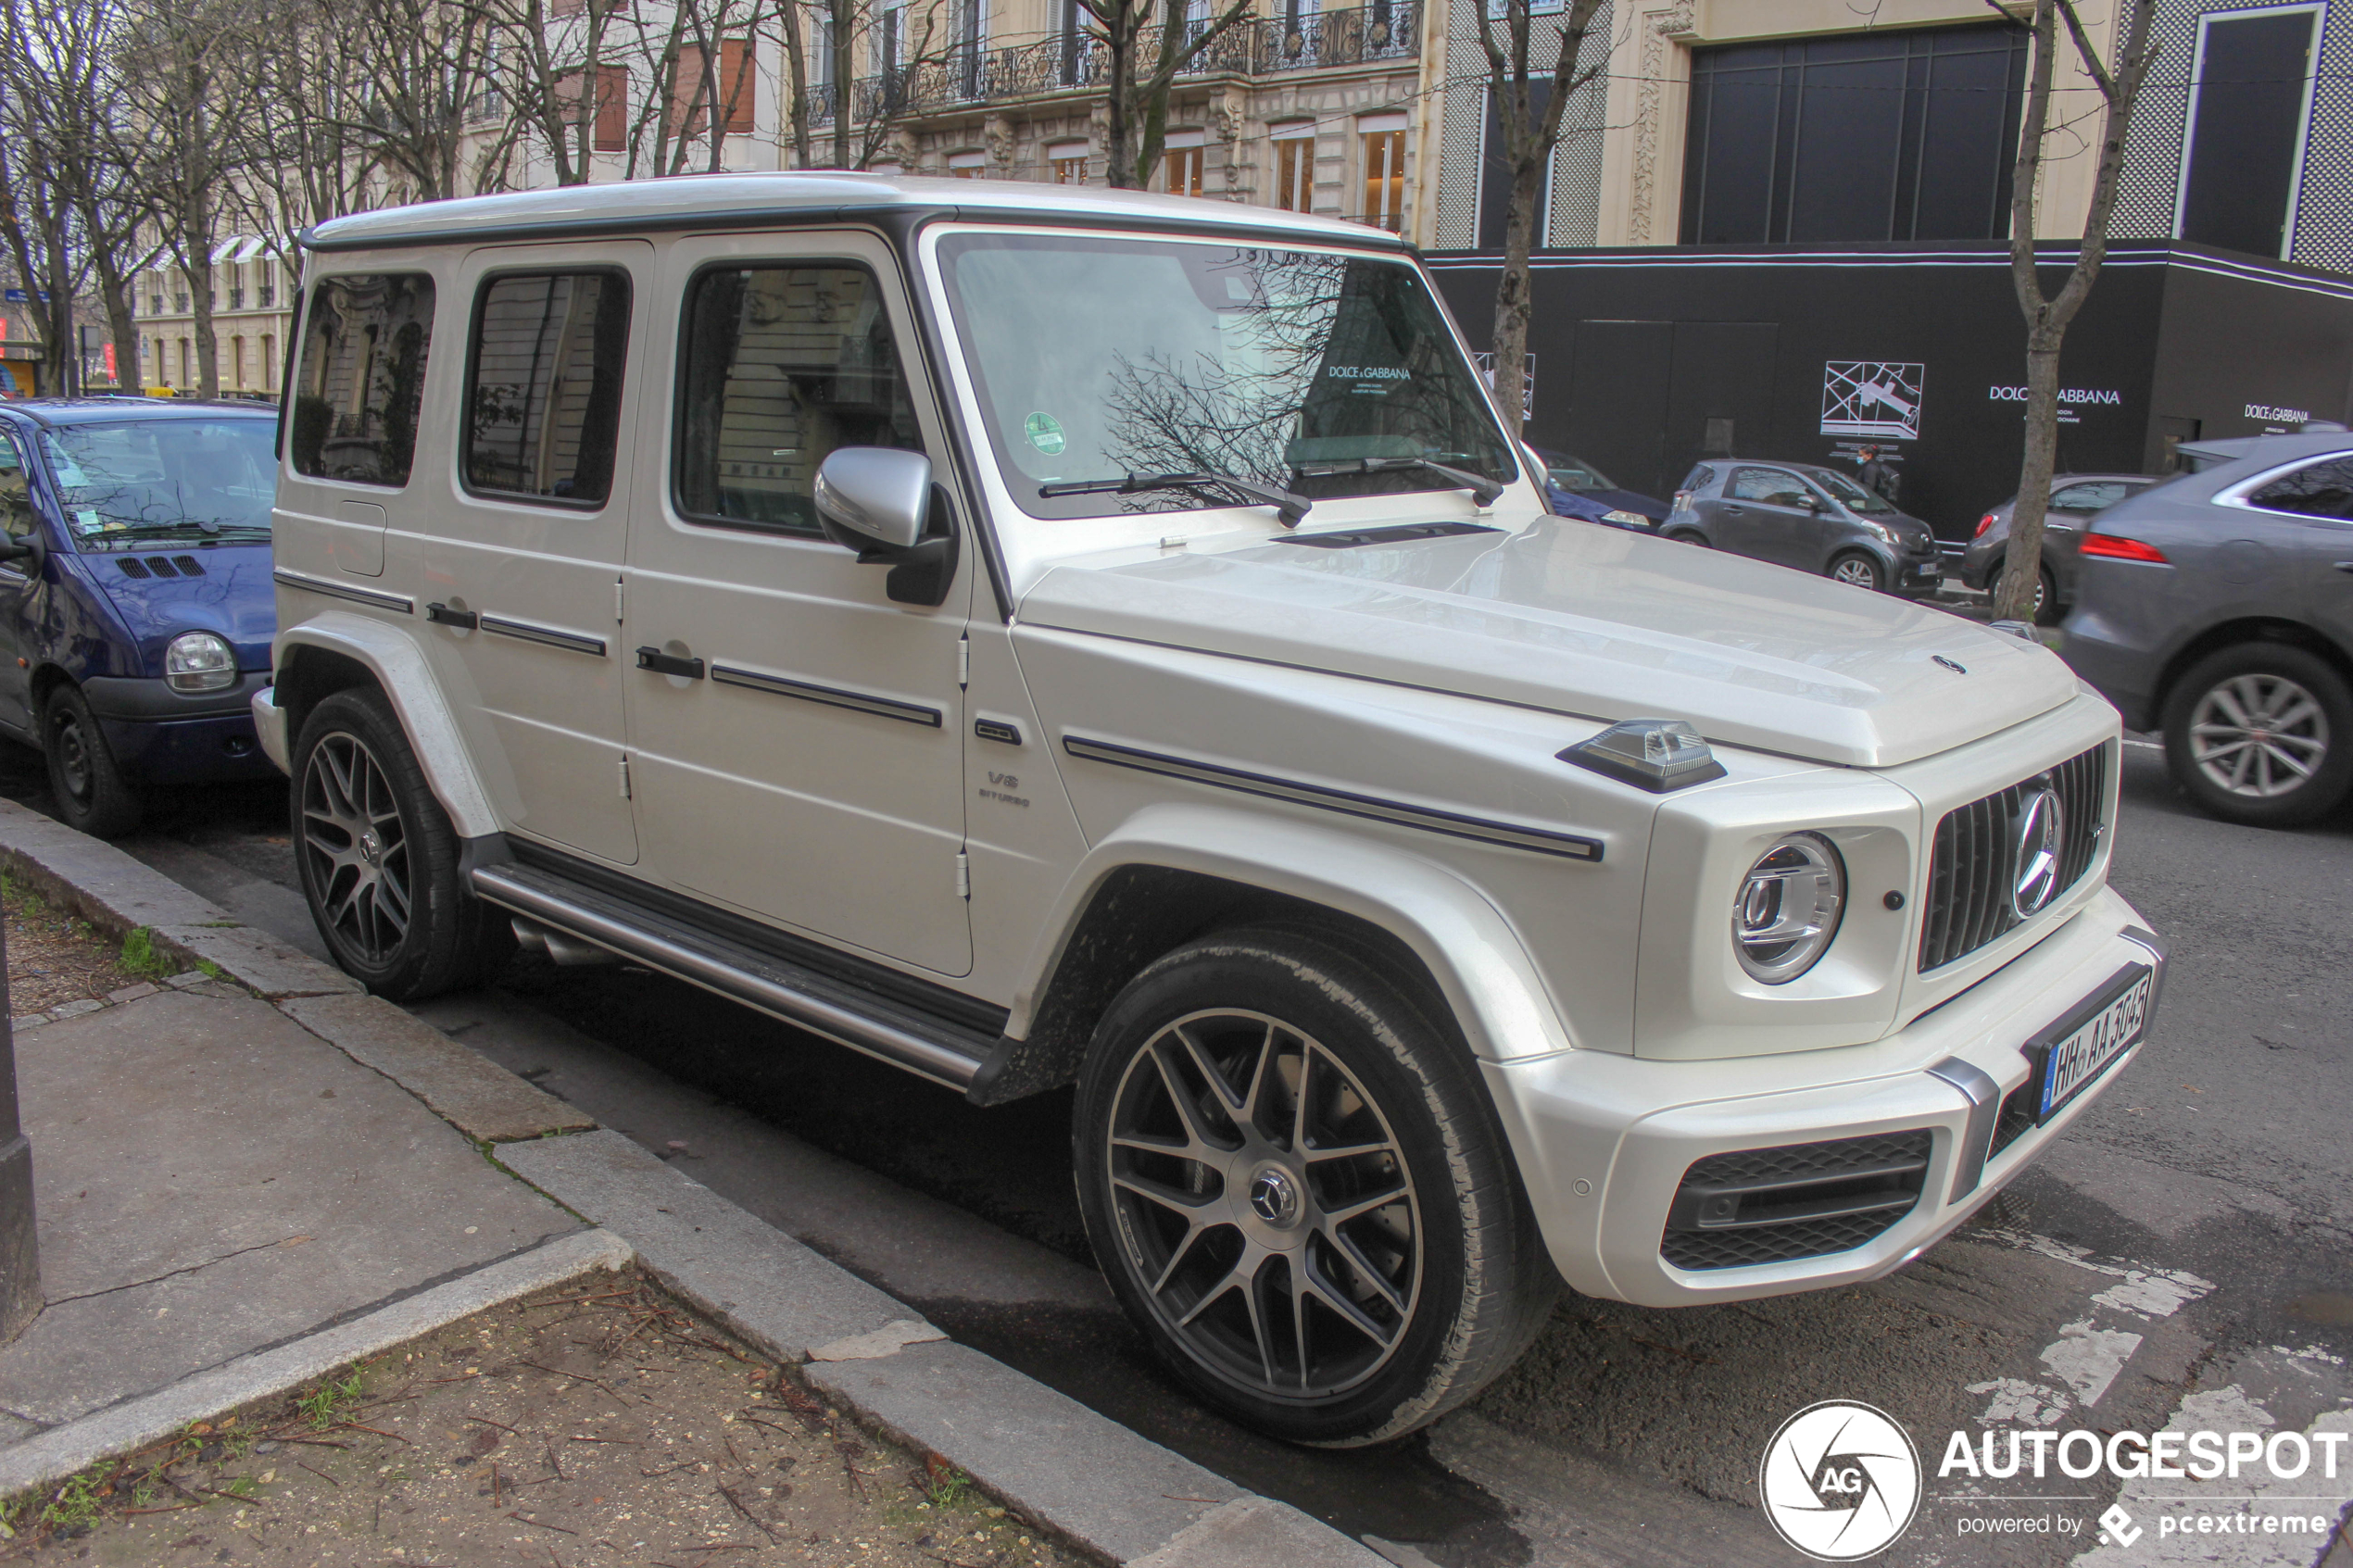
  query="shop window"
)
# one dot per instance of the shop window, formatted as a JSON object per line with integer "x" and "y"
{"x": 1183, "y": 162}
{"x": 1066, "y": 163}
{"x": 967, "y": 165}
{"x": 1295, "y": 167}
{"x": 543, "y": 385}
{"x": 362, "y": 379}
{"x": 1901, "y": 134}
{"x": 1382, "y": 151}
{"x": 2253, "y": 91}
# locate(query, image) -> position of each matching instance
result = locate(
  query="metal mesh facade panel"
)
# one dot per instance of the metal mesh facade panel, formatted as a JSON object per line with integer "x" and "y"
{"x": 1575, "y": 214}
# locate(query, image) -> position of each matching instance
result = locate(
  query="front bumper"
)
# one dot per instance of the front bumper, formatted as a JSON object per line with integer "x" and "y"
{"x": 270, "y": 724}
{"x": 161, "y": 737}
{"x": 1604, "y": 1141}
{"x": 1920, "y": 574}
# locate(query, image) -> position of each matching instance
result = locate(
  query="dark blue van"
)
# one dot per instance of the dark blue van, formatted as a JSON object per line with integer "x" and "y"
{"x": 136, "y": 605}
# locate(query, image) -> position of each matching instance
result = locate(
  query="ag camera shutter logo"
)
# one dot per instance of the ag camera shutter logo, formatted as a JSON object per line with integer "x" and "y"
{"x": 1840, "y": 1481}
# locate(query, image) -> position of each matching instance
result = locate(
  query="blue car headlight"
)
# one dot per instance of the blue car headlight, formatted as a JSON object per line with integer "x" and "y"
{"x": 199, "y": 661}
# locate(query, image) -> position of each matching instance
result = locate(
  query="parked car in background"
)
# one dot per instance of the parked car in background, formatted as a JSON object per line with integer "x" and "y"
{"x": 2075, "y": 498}
{"x": 135, "y": 600}
{"x": 2219, "y": 607}
{"x": 1803, "y": 515}
{"x": 1574, "y": 488}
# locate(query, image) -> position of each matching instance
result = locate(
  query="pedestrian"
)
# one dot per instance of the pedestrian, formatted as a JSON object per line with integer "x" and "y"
{"x": 1876, "y": 476}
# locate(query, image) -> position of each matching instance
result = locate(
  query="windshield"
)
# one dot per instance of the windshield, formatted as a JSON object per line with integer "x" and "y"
{"x": 142, "y": 478}
{"x": 1853, "y": 496}
{"x": 1096, "y": 358}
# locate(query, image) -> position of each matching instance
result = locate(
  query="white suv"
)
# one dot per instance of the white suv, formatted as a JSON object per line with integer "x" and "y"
{"x": 1038, "y": 636}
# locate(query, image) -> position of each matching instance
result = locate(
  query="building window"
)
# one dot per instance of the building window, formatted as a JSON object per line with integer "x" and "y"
{"x": 238, "y": 363}
{"x": 187, "y": 365}
{"x": 1382, "y": 146}
{"x": 2251, "y": 99}
{"x": 967, "y": 165}
{"x": 1182, "y": 160}
{"x": 1066, "y": 163}
{"x": 1295, "y": 167}
{"x": 269, "y": 362}
{"x": 1885, "y": 135}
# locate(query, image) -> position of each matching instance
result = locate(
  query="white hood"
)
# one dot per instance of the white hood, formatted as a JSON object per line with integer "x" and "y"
{"x": 1593, "y": 621}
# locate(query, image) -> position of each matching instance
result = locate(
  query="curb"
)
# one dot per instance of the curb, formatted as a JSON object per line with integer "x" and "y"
{"x": 1052, "y": 1459}
{"x": 49, "y": 1457}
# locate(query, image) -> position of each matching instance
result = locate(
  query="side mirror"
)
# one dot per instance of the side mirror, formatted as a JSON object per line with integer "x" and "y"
{"x": 874, "y": 498}
{"x": 880, "y": 502}
{"x": 28, "y": 551}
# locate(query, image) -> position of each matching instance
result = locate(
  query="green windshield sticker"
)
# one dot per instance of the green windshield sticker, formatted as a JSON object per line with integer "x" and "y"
{"x": 88, "y": 521}
{"x": 1045, "y": 432}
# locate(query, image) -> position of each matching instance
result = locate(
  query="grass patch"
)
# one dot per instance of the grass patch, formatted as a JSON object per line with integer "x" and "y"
{"x": 321, "y": 1404}
{"x": 140, "y": 957}
{"x": 947, "y": 1487}
{"x": 76, "y": 1503}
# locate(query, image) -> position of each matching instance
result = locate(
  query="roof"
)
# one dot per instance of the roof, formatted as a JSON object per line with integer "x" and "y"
{"x": 738, "y": 200}
{"x": 97, "y": 410}
{"x": 2269, "y": 448}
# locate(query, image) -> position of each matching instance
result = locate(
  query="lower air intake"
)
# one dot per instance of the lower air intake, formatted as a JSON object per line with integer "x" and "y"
{"x": 1798, "y": 1200}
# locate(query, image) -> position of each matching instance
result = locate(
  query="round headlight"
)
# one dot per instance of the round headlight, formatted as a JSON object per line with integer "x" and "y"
{"x": 198, "y": 661}
{"x": 1631, "y": 520}
{"x": 1789, "y": 908}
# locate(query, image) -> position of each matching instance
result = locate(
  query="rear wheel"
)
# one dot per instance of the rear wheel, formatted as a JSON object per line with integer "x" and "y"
{"x": 93, "y": 796}
{"x": 2047, "y": 611}
{"x": 378, "y": 859}
{"x": 1858, "y": 570}
{"x": 1300, "y": 1193}
{"x": 2261, "y": 733}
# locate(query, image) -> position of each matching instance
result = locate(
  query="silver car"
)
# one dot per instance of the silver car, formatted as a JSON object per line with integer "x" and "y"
{"x": 2219, "y": 607}
{"x": 1815, "y": 519}
{"x": 2075, "y": 499}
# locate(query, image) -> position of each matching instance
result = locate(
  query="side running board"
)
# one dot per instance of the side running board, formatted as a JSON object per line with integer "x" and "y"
{"x": 931, "y": 1048}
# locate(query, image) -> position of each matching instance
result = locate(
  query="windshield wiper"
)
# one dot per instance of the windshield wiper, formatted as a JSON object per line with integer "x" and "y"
{"x": 1291, "y": 508}
{"x": 208, "y": 529}
{"x": 1483, "y": 491}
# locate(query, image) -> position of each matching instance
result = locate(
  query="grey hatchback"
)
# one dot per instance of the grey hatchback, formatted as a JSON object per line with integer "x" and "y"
{"x": 2075, "y": 498}
{"x": 2217, "y": 606}
{"x": 1812, "y": 518}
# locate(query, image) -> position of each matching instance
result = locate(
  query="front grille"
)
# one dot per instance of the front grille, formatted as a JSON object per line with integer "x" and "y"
{"x": 1970, "y": 873}
{"x": 1799, "y": 1200}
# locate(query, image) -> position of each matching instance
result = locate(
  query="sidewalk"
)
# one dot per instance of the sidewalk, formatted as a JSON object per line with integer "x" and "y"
{"x": 253, "y": 1174}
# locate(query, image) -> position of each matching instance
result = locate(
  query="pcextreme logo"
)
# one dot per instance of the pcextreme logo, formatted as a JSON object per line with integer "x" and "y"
{"x": 1840, "y": 1481}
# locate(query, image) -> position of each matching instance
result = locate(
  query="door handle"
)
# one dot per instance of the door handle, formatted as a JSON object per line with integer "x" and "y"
{"x": 662, "y": 663}
{"x": 1730, "y": 507}
{"x": 442, "y": 615}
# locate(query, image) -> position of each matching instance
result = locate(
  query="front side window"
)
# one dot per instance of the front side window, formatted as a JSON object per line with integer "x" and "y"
{"x": 2324, "y": 489}
{"x": 1851, "y": 496}
{"x": 543, "y": 390}
{"x": 124, "y": 485}
{"x": 779, "y": 366}
{"x": 362, "y": 377}
{"x": 1097, "y": 358}
{"x": 1575, "y": 473}
{"x": 16, "y": 494}
{"x": 1769, "y": 487}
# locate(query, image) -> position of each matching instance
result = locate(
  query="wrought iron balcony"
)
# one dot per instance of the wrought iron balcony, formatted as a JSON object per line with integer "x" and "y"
{"x": 1263, "y": 46}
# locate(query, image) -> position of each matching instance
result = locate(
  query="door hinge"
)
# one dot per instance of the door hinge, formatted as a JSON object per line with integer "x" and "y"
{"x": 625, "y": 778}
{"x": 963, "y": 662}
{"x": 617, "y": 616}
{"x": 963, "y": 874}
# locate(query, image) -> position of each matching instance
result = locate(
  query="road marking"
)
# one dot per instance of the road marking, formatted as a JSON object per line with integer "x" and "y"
{"x": 2089, "y": 1352}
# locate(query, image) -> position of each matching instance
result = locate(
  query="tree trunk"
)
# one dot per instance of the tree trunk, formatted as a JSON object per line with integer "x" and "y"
{"x": 122, "y": 325}
{"x": 1119, "y": 163}
{"x": 1514, "y": 302}
{"x": 795, "y": 80}
{"x": 2022, "y": 557}
{"x": 841, "y": 12}
{"x": 197, "y": 263}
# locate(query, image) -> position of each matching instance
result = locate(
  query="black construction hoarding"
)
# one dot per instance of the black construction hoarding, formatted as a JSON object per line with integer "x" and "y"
{"x": 1646, "y": 360}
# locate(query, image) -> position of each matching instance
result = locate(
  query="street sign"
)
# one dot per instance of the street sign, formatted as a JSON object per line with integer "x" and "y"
{"x": 21, "y": 296}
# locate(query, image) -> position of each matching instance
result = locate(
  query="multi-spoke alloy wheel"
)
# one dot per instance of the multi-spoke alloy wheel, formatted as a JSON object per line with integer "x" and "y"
{"x": 1262, "y": 1194}
{"x": 1857, "y": 572}
{"x": 2261, "y": 733}
{"x": 357, "y": 849}
{"x": 2258, "y": 735}
{"x": 378, "y": 858}
{"x": 1299, "y": 1189}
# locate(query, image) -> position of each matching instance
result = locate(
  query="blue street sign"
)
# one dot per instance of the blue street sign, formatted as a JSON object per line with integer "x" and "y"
{"x": 20, "y": 296}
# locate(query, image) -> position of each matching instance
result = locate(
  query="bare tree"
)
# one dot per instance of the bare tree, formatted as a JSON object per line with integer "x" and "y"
{"x": 1143, "y": 61}
{"x": 309, "y": 157}
{"x": 424, "y": 94}
{"x": 560, "y": 76}
{"x": 2047, "y": 316}
{"x": 1531, "y": 95}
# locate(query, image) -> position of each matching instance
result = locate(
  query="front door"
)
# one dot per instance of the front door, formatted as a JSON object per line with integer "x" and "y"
{"x": 796, "y": 741}
{"x": 522, "y": 565}
{"x": 17, "y": 586}
{"x": 1765, "y": 515}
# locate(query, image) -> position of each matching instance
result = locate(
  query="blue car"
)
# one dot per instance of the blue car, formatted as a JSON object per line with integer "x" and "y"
{"x": 1575, "y": 488}
{"x": 137, "y": 606}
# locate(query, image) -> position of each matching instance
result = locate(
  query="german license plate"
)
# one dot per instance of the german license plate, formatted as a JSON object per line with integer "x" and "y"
{"x": 2072, "y": 1054}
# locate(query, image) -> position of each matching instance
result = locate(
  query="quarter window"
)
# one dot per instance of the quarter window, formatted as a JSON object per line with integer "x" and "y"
{"x": 363, "y": 377}
{"x": 2322, "y": 489}
{"x": 780, "y": 365}
{"x": 543, "y": 395}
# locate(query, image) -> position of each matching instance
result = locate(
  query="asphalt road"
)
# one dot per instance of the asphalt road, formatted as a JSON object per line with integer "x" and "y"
{"x": 2191, "y": 1235}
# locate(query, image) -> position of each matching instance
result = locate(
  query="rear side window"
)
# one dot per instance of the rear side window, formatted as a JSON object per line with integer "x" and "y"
{"x": 361, "y": 380}
{"x": 779, "y": 366}
{"x": 2320, "y": 490}
{"x": 2092, "y": 497}
{"x": 1699, "y": 478}
{"x": 543, "y": 385}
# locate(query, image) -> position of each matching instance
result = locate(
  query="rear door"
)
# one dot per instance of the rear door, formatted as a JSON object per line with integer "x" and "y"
{"x": 522, "y": 561}
{"x": 795, "y": 750}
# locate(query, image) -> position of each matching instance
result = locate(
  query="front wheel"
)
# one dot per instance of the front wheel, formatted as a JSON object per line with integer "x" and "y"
{"x": 1859, "y": 570}
{"x": 2261, "y": 733}
{"x": 378, "y": 859}
{"x": 1300, "y": 1193}
{"x": 93, "y": 794}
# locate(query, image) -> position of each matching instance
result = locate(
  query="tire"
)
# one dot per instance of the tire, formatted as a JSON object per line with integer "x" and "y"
{"x": 2295, "y": 701}
{"x": 1689, "y": 537}
{"x": 1207, "y": 1221}
{"x": 2048, "y": 612}
{"x": 1858, "y": 570}
{"x": 378, "y": 859}
{"x": 93, "y": 796}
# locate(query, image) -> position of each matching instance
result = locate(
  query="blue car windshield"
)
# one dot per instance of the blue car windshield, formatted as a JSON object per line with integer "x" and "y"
{"x": 140, "y": 479}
